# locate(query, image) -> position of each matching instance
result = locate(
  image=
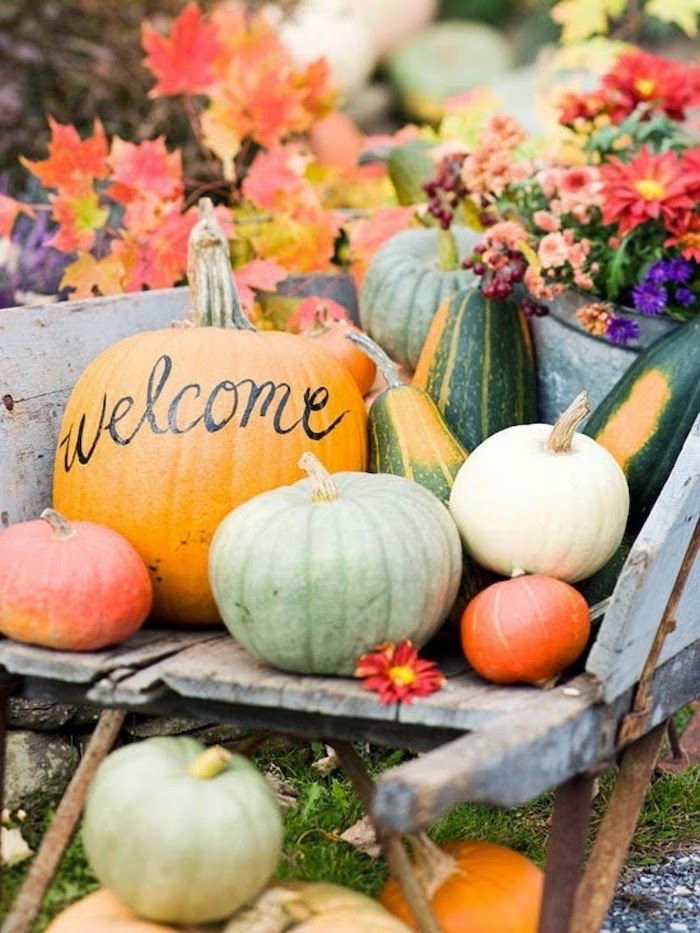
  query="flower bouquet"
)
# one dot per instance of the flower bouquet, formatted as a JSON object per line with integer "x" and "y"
{"x": 611, "y": 208}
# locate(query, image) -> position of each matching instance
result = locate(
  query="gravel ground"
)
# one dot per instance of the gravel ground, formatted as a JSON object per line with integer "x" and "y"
{"x": 662, "y": 898}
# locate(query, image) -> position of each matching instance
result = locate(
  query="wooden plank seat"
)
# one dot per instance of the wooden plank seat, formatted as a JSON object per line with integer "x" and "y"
{"x": 484, "y": 743}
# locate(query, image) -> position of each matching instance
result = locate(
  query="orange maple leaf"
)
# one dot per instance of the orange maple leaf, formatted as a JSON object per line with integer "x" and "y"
{"x": 73, "y": 163}
{"x": 88, "y": 277}
{"x": 275, "y": 181}
{"x": 144, "y": 169}
{"x": 259, "y": 274}
{"x": 9, "y": 209}
{"x": 182, "y": 64}
{"x": 368, "y": 234}
{"x": 79, "y": 218}
{"x": 304, "y": 245}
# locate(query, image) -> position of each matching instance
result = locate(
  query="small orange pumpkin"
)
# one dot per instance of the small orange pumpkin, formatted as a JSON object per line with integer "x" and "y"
{"x": 327, "y": 322}
{"x": 167, "y": 431}
{"x": 472, "y": 885}
{"x": 75, "y": 587}
{"x": 101, "y": 912}
{"x": 525, "y": 630}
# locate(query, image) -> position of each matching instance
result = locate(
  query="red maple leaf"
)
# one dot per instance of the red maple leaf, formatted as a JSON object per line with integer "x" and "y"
{"x": 307, "y": 313}
{"x": 9, "y": 209}
{"x": 79, "y": 217}
{"x": 183, "y": 63}
{"x": 73, "y": 163}
{"x": 275, "y": 180}
{"x": 144, "y": 169}
{"x": 260, "y": 273}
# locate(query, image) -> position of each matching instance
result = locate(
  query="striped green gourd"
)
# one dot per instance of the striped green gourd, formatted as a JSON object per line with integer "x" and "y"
{"x": 407, "y": 434}
{"x": 645, "y": 418}
{"x": 478, "y": 366}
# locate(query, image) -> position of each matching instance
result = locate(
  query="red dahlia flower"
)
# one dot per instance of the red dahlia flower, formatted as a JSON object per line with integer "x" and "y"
{"x": 647, "y": 188}
{"x": 397, "y": 673}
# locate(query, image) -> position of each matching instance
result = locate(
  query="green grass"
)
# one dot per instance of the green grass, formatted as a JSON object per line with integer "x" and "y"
{"x": 327, "y": 805}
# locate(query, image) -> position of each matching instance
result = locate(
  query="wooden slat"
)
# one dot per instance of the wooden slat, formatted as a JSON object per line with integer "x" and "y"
{"x": 43, "y": 351}
{"x": 627, "y": 631}
{"x": 523, "y": 754}
{"x": 144, "y": 648}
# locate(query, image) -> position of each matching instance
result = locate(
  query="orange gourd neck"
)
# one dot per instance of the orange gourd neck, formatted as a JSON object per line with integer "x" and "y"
{"x": 60, "y": 526}
{"x": 560, "y": 440}
{"x": 216, "y": 301}
{"x": 384, "y": 364}
{"x": 432, "y": 864}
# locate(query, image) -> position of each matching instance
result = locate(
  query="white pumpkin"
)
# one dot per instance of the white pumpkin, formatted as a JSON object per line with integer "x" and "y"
{"x": 541, "y": 499}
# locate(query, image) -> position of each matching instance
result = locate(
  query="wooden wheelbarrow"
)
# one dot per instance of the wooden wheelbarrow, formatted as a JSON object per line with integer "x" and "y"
{"x": 481, "y": 743}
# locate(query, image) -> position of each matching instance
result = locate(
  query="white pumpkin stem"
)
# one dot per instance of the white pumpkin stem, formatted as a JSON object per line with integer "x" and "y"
{"x": 60, "y": 526}
{"x": 384, "y": 364}
{"x": 559, "y": 441}
{"x": 323, "y": 489}
{"x": 216, "y": 301}
{"x": 211, "y": 762}
{"x": 432, "y": 864}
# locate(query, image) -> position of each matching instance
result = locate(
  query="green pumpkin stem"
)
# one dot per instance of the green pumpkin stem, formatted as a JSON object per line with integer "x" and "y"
{"x": 323, "y": 489}
{"x": 211, "y": 762}
{"x": 216, "y": 301}
{"x": 371, "y": 349}
{"x": 60, "y": 526}
{"x": 448, "y": 255}
{"x": 433, "y": 865}
{"x": 559, "y": 441}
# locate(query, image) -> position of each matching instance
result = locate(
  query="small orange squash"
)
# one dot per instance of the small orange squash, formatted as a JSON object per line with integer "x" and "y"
{"x": 75, "y": 587}
{"x": 525, "y": 630}
{"x": 167, "y": 431}
{"x": 473, "y": 885}
{"x": 101, "y": 912}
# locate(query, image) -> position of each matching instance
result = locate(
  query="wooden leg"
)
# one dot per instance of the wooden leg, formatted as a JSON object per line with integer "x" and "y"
{"x": 28, "y": 902}
{"x": 565, "y": 852}
{"x": 391, "y": 843}
{"x": 597, "y": 887}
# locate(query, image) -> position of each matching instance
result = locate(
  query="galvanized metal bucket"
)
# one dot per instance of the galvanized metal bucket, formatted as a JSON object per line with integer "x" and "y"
{"x": 569, "y": 359}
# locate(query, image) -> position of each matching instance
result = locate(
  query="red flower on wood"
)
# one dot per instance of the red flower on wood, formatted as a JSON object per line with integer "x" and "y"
{"x": 397, "y": 674}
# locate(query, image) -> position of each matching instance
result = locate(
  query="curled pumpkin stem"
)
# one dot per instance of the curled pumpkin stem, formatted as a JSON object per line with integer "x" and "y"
{"x": 559, "y": 441}
{"x": 384, "y": 364}
{"x": 432, "y": 864}
{"x": 216, "y": 301}
{"x": 323, "y": 489}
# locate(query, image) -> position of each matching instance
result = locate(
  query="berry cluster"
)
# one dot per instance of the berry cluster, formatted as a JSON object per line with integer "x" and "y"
{"x": 502, "y": 269}
{"x": 446, "y": 189}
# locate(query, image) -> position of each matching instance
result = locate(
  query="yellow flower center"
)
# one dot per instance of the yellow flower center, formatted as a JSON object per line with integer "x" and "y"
{"x": 650, "y": 189}
{"x": 402, "y": 676}
{"x": 645, "y": 87}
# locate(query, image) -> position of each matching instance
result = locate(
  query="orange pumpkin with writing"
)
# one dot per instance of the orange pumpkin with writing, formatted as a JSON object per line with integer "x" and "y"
{"x": 167, "y": 431}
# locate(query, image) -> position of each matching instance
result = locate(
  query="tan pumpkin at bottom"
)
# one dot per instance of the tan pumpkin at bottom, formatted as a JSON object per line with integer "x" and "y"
{"x": 101, "y": 912}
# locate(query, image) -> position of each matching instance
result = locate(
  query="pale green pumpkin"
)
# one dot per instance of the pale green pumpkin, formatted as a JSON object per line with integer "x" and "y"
{"x": 180, "y": 833}
{"x": 309, "y": 577}
{"x": 407, "y": 281}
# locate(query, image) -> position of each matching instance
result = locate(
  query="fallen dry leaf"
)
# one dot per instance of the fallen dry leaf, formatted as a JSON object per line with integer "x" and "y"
{"x": 328, "y": 763}
{"x": 362, "y": 836}
{"x": 13, "y": 846}
{"x": 285, "y": 794}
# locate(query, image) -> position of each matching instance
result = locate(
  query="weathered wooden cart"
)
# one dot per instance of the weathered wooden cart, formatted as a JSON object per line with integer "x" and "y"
{"x": 482, "y": 743}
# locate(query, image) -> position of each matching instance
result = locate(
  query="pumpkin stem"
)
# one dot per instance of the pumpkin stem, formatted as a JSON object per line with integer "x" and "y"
{"x": 433, "y": 864}
{"x": 216, "y": 301}
{"x": 371, "y": 349}
{"x": 210, "y": 762}
{"x": 448, "y": 255}
{"x": 562, "y": 435}
{"x": 60, "y": 526}
{"x": 323, "y": 489}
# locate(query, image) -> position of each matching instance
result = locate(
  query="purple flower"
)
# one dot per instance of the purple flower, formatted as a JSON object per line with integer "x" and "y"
{"x": 657, "y": 273}
{"x": 679, "y": 270}
{"x": 649, "y": 298}
{"x": 621, "y": 330}
{"x": 684, "y": 297}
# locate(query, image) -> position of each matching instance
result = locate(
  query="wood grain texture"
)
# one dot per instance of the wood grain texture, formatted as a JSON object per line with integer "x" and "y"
{"x": 644, "y": 586}
{"x": 43, "y": 351}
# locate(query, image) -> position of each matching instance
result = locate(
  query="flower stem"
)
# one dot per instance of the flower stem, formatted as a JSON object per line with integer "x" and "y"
{"x": 323, "y": 489}
{"x": 559, "y": 441}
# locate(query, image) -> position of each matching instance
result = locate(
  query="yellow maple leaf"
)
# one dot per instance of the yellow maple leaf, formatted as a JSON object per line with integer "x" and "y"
{"x": 683, "y": 13}
{"x": 580, "y": 19}
{"x": 90, "y": 277}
